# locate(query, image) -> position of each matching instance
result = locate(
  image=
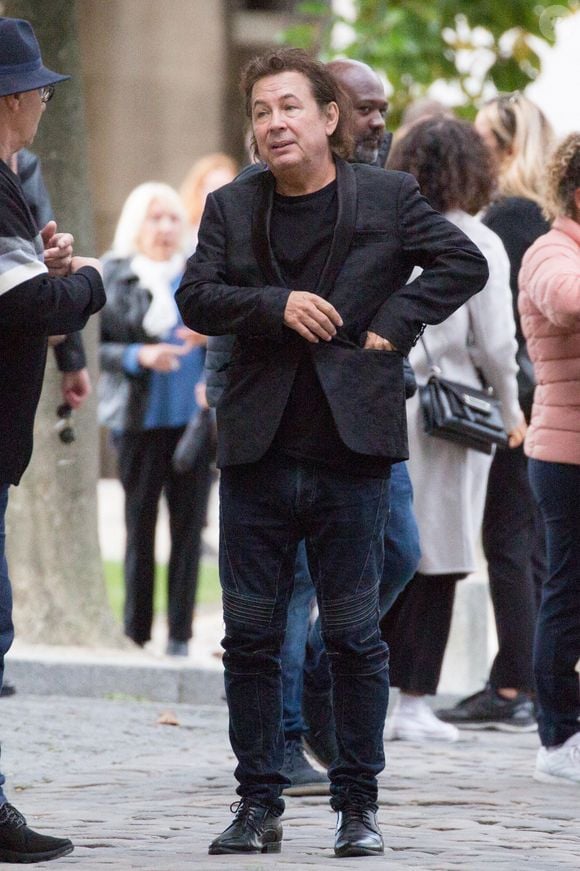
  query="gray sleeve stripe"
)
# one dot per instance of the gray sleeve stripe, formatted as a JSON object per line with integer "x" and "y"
{"x": 19, "y": 273}
{"x": 20, "y": 260}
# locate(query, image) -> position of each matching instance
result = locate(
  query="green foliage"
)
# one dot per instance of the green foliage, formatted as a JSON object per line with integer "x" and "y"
{"x": 208, "y": 592}
{"x": 414, "y": 43}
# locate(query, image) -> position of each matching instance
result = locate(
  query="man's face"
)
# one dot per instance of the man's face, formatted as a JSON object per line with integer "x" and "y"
{"x": 30, "y": 112}
{"x": 369, "y": 108}
{"x": 291, "y": 131}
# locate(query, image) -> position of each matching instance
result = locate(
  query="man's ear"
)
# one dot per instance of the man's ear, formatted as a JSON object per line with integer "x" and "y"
{"x": 332, "y": 114}
{"x": 12, "y": 101}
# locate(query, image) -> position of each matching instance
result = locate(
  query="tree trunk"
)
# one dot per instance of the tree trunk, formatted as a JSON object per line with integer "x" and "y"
{"x": 53, "y": 546}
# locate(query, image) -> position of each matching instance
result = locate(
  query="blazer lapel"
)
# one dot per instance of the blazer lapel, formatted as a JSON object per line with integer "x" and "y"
{"x": 344, "y": 229}
{"x": 261, "y": 217}
{"x": 342, "y": 237}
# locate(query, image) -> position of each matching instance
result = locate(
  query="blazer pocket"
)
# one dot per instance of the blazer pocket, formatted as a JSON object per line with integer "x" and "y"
{"x": 366, "y": 393}
{"x": 366, "y": 237}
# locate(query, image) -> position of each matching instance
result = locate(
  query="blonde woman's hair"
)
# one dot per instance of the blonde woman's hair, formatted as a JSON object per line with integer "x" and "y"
{"x": 134, "y": 212}
{"x": 525, "y": 138}
{"x": 563, "y": 179}
{"x": 192, "y": 189}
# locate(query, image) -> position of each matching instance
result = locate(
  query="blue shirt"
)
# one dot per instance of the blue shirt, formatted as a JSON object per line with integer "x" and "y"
{"x": 171, "y": 402}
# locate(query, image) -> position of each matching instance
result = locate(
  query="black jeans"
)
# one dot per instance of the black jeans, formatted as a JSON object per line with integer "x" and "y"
{"x": 556, "y": 486}
{"x": 145, "y": 471}
{"x": 266, "y": 508}
{"x": 402, "y": 555}
{"x": 515, "y": 549}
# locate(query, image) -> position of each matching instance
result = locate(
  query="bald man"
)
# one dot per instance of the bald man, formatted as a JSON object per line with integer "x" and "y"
{"x": 366, "y": 92}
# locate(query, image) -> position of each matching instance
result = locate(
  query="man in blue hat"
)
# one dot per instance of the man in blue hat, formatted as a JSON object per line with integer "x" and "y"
{"x": 44, "y": 291}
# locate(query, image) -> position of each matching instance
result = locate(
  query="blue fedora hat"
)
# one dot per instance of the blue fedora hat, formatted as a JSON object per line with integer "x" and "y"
{"x": 21, "y": 67}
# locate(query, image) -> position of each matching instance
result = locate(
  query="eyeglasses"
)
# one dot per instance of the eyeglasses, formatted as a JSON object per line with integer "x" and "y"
{"x": 47, "y": 93}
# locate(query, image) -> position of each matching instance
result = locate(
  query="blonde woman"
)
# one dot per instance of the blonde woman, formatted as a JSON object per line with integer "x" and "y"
{"x": 549, "y": 305}
{"x": 150, "y": 365}
{"x": 520, "y": 139}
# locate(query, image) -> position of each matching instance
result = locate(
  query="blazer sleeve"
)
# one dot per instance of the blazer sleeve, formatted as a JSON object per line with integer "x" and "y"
{"x": 453, "y": 270}
{"x": 210, "y": 304}
{"x": 70, "y": 354}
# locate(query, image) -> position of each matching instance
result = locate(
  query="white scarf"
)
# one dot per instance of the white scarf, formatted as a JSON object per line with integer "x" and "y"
{"x": 157, "y": 276}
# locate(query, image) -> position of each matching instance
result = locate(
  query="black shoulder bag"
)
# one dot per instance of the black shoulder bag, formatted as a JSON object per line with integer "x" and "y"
{"x": 460, "y": 413}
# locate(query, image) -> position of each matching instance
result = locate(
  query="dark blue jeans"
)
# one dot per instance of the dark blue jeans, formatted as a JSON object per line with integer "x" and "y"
{"x": 303, "y": 656}
{"x": 293, "y": 653}
{"x": 6, "y": 628}
{"x": 266, "y": 509}
{"x": 556, "y": 487}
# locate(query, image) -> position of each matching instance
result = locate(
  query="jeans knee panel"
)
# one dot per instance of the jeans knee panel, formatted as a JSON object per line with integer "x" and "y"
{"x": 349, "y": 611}
{"x": 250, "y": 610}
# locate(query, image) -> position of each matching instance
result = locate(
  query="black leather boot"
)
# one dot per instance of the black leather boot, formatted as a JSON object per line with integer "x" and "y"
{"x": 256, "y": 829}
{"x": 357, "y": 832}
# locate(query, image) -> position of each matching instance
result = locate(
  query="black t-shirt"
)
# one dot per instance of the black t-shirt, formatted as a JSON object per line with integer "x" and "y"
{"x": 301, "y": 231}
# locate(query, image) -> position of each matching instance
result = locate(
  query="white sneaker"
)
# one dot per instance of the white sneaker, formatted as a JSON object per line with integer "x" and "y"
{"x": 413, "y": 720}
{"x": 561, "y": 765}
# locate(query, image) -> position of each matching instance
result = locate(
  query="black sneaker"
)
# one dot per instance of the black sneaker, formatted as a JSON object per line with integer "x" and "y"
{"x": 256, "y": 829}
{"x": 8, "y": 689}
{"x": 21, "y": 845}
{"x": 488, "y": 710}
{"x": 320, "y": 739}
{"x": 304, "y": 779}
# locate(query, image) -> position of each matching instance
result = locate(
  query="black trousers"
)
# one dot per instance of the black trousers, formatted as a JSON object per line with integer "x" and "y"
{"x": 145, "y": 471}
{"x": 515, "y": 548}
{"x": 416, "y": 628}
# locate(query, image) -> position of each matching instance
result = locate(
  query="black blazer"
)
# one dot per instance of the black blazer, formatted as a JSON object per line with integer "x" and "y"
{"x": 232, "y": 285}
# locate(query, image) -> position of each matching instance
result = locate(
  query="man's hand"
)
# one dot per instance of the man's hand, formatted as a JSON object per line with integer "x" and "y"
{"x": 78, "y": 263}
{"x": 518, "y": 434}
{"x": 58, "y": 249}
{"x": 161, "y": 357}
{"x": 76, "y": 387}
{"x": 375, "y": 342}
{"x": 311, "y": 316}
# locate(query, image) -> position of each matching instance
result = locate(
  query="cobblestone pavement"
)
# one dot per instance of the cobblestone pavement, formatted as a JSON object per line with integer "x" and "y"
{"x": 135, "y": 794}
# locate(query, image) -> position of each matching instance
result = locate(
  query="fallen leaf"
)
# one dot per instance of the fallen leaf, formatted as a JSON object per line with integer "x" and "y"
{"x": 168, "y": 718}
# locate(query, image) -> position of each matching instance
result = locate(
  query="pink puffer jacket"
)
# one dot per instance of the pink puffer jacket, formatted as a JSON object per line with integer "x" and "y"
{"x": 549, "y": 305}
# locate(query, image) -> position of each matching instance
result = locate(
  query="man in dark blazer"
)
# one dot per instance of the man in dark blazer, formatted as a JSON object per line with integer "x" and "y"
{"x": 307, "y": 264}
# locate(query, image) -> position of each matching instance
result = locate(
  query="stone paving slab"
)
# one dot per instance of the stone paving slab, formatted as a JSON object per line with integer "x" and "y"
{"x": 134, "y": 794}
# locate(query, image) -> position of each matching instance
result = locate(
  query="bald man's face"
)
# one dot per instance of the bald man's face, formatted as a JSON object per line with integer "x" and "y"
{"x": 369, "y": 106}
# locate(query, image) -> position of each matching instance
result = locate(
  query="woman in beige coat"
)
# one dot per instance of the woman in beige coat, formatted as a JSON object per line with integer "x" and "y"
{"x": 455, "y": 173}
{"x": 549, "y": 305}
